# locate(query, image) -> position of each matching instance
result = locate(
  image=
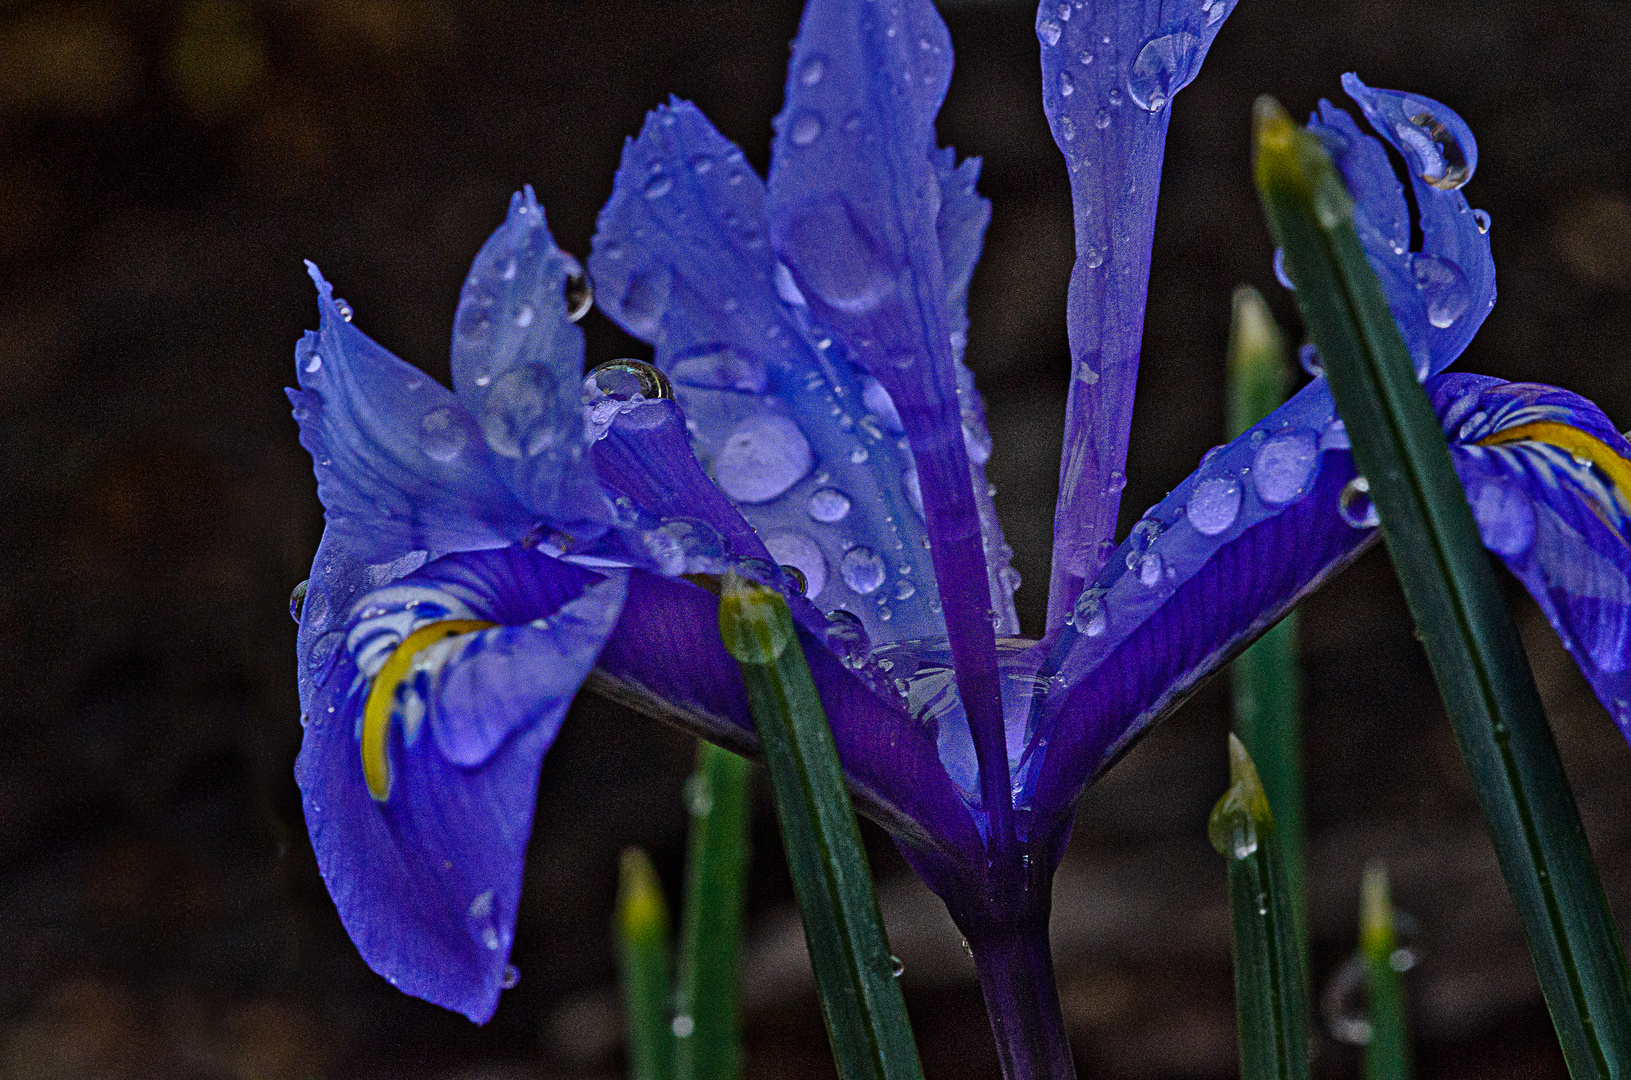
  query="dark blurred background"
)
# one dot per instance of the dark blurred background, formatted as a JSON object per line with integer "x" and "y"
{"x": 164, "y": 169}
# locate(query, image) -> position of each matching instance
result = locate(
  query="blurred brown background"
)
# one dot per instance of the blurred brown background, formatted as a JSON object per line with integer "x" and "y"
{"x": 164, "y": 168}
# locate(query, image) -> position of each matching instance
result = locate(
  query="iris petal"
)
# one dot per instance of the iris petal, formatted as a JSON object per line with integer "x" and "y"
{"x": 1109, "y": 71}
{"x": 1440, "y": 294}
{"x": 518, "y": 367}
{"x": 400, "y": 464}
{"x": 1549, "y": 480}
{"x": 427, "y": 882}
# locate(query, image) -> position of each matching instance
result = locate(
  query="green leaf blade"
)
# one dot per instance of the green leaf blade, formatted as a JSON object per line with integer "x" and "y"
{"x": 641, "y": 924}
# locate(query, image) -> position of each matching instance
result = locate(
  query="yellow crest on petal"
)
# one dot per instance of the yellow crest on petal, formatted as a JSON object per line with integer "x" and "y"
{"x": 381, "y": 705}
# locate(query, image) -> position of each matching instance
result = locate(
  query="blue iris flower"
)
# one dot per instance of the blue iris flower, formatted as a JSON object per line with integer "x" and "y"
{"x": 810, "y": 423}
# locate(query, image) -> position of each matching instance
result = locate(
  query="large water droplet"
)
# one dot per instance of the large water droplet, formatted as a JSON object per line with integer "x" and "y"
{"x": 805, "y": 128}
{"x": 441, "y": 434}
{"x": 1090, "y": 616}
{"x": 797, "y": 550}
{"x": 1356, "y": 505}
{"x": 1444, "y": 289}
{"x": 1213, "y": 505}
{"x": 1149, "y": 569}
{"x": 1048, "y": 31}
{"x": 847, "y": 637}
{"x": 1434, "y": 153}
{"x": 659, "y": 185}
{"x": 297, "y": 599}
{"x": 1161, "y": 68}
{"x": 764, "y": 456}
{"x": 880, "y": 404}
{"x": 1143, "y": 534}
{"x": 862, "y": 569}
{"x": 1283, "y": 466}
{"x": 836, "y": 258}
{"x": 811, "y": 71}
{"x": 579, "y": 291}
{"x": 828, "y": 505}
{"x": 516, "y": 414}
{"x": 720, "y": 367}
{"x": 1506, "y": 518}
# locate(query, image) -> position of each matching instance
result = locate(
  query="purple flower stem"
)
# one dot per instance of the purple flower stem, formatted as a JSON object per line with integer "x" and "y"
{"x": 1016, "y": 975}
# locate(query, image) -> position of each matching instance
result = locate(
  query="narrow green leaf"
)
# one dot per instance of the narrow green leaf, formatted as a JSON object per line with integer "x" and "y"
{"x": 1387, "y": 1054}
{"x": 1471, "y": 641}
{"x": 1271, "y": 1008}
{"x": 860, "y": 998}
{"x": 1266, "y": 679}
{"x": 707, "y": 1029}
{"x": 642, "y": 928}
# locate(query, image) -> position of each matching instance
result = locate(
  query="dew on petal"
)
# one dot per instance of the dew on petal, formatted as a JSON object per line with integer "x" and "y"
{"x": 1356, "y": 505}
{"x": 1090, "y": 616}
{"x": 1283, "y": 466}
{"x": 862, "y": 569}
{"x": 1149, "y": 569}
{"x": 1048, "y": 31}
{"x": 1444, "y": 289}
{"x": 515, "y": 413}
{"x": 297, "y": 599}
{"x": 828, "y": 505}
{"x": 805, "y": 129}
{"x": 847, "y": 637}
{"x": 1213, "y": 505}
{"x": 797, "y": 550}
{"x": 1434, "y": 152}
{"x": 1162, "y": 66}
{"x": 643, "y": 303}
{"x": 1506, "y": 518}
{"x": 1481, "y": 219}
{"x": 441, "y": 436}
{"x": 812, "y": 70}
{"x": 659, "y": 185}
{"x": 764, "y": 456}
{"x": 579, "y": 291}
{"x": 720, "y": 368}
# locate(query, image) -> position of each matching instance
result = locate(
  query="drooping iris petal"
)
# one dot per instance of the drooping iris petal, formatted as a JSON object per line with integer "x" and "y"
{"x": 1109, "y": 71}
{"x": 805, "y": 445}
{"x": 400, "y": 464}
{"x": 1441, "y": 294}
{"x": 853, "y": 200}
{"x": 518, "y": 367}
{"x": 427, "y": 881}
{"x": 665, "y": 659}
{"x": 1257, "y": 526}
{"x": 1549, "y": 480}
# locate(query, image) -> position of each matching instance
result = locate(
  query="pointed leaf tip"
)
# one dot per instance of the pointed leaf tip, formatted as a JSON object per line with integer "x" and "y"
{"x": 1376, "y": 909}
{"x": 1243, "y": 811}
{"x": 641, "y": 909}
{"x": 1259, "y": 373}
{"x": 754, "y": 622}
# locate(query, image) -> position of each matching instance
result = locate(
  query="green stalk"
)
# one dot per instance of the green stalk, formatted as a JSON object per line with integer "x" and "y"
{"x": 1387, "y": 1055}
{"x": 707, "y": 1028}
{"x": 1271, "y": 1008}
{"x": 1266, "y": 678}
{"x": 641, "y": 925}
{"x": 1471, "y": 641}
{"x": 861, "y": 1001}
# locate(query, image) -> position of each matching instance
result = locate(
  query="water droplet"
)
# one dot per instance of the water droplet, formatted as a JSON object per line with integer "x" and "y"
{"x": 1356, "y": 505}
{"x": 1342, "y": 1003}
{"x": 1101, "y": 119}
{"x": 344, "y": 310}
{"x": 1093, "y": 257}
{"x": 297, "y": 599}
{"x": 1481, "y": 219}
{"x": 1149, "y": 569}
{"x": 914, "y": 489}
{"x": 314, "y": 363}
{"x": 811, "y": 71}
{"x": 1114, "y": 97}
{"x": 684, "y": 1027}
{"x": 847, "y": 637}
{"x": 622, "y": 382}
{"x": 516, "y": 414}
{"x": 1434, "y": 153}
{"x": 579, "y": 292}
{"x": 1280, "y": 274}
{"x": 976, "y": 440}
{"x": 1048, "y": 31}
{"x": 524, "y": 317}
{"x": 880, "y": 404}
{"x": 806, "y": 129}
{"x": 1010, "y": 579}
{"x": 481, "y": 924}
{"x": 897, "y": 966}
{"x": 1067, "y": 85}
{"x": 685, "y": 546}
{"x": 787, "y": 288}
{"x": 1143, "y": 534}
{"x": 1308, "y": 355}
{"x": 828, "y": 505}
{"x": 659, "y": 185}
{"x": 1090, "y": 615}
{"x": 837, "y": 259}
{"x": 797, "y": 550}
{"x": 862, "y": 570}
{"x": 1506, "y": 518}
{"x": 1213, "y": 505}
{"x": 1283, "y": 465}
{"x": 1444, "y": 289}
{"x": 796, "y": 578}
{"x": 858, "y": 456}
{"x": 698, "y": 795}
{"x": 512, "y": 975}
{"x": 1262, "y": 903}
{"x": 904, "y": 590}
{"x": 1161, "y": 68}
{"x": 441, "y": 434}
{"x": 720, "y": 367}
{"x": 762, "y": 457}
{"x": 701, "y": 164}
{"x": 1335, "y": 436}
{"x": 642, "y": 304}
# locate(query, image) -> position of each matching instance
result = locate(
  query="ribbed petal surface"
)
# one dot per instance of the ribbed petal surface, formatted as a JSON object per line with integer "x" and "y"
{"x": 1109, "y": 71}
{"x": 1556, "y": 508}
{"x": 427, "y": 882}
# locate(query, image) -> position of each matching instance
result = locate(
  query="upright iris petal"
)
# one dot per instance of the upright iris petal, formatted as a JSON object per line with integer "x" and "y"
{"x": 1109, "y": 71}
